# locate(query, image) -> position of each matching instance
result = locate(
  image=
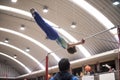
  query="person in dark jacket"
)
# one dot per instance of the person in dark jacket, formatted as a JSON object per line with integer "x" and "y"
{"x": 64, "y": 71}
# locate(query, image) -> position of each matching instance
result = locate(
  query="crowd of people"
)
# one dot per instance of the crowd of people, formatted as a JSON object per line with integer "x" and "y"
{"x": 66, "y": 74}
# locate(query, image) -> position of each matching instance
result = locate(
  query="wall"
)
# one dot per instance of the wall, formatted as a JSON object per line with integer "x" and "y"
{"x": 7, "y": 71}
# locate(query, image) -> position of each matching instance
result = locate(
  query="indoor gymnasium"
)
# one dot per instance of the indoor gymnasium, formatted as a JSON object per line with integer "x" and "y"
{"x": 59, "y": 39}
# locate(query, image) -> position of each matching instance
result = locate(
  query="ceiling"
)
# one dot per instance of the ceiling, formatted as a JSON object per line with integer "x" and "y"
{"x": 62, "y": 13}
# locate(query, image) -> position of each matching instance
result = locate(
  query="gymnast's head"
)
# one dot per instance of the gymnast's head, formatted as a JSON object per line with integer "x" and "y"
{"x": 71, "y": 50}
{"x": 64, "y": 65}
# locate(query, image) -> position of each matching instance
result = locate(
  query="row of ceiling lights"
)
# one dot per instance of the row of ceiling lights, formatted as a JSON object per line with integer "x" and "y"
{"x": 15, "y": 56}
{"x": 7, "y": 40}
{"x": 73, "y": 25}
{"x": 45, "y": 10}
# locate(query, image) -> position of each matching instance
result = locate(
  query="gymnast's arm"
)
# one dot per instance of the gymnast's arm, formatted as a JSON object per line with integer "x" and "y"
{"x": 77, "y": 43}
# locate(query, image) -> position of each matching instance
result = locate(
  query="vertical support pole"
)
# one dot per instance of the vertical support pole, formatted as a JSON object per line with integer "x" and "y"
{"x": 98, "y": 67}
{"x": 83, "y": 70}
{"x": 117, "y": 68}
{"x": 118, "y": 31}
{"x": 46, "y": 77}
{"x": 6, "y": 76}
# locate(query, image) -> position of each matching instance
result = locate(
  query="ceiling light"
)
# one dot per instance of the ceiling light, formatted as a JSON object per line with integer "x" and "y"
{"x": 22, "y": 27}
{"x": 116, "y": 2}
{"x": 27, "y": 49}
{"x": 45, "y": 9}
{"x": 15, "y": 56}
{"x": 6, "y": 40}
{"x": 73, "y": 25}
{"x": 14, "y": 1}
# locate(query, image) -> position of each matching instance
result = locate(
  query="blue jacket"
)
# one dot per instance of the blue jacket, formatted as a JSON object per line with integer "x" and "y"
{"x": 64, "y": 76}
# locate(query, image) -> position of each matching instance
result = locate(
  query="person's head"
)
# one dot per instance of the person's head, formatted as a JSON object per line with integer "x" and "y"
{"x": 71, "y": 50}
{"x": 64, "y": 65}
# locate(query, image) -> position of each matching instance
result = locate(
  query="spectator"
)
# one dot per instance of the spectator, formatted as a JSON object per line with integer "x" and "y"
{"x": 64, "y": 71}
{"x": 111, "y": 69}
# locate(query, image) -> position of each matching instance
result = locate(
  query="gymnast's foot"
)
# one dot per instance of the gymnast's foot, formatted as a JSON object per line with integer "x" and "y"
{"x": 32, "y": 10}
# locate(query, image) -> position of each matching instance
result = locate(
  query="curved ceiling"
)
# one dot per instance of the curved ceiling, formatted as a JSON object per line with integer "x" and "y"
{"x": 62, "y": 13}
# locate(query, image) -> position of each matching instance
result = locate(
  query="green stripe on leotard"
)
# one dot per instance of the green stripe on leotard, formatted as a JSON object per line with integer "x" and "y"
{"x": 62, "y": 42}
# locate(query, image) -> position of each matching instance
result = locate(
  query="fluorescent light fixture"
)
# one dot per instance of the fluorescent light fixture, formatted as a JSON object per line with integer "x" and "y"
{"x": 28, "y": 55}
{"x": 95, "y": 13}
{"x": 22, "y": 27}
{"x": 14, "y": 1}
{"x": 27, "y": 69}
{"x": 27, "y": 49}
{"x": 28, "y": 14}
{"x": 116, "y": 2}
{"x": 32, "y": 40}
{"x": 15, "y": 56}
{"x": 73, "y": 25}
{"x": 6, "y": 40}
{"x": 45, "y": 9}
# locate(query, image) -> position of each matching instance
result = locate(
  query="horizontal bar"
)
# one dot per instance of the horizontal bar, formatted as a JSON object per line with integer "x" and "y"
{"x": 99, "y": 33}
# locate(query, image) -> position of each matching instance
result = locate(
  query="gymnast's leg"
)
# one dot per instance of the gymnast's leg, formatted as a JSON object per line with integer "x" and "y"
{"x": 50, "y": 32}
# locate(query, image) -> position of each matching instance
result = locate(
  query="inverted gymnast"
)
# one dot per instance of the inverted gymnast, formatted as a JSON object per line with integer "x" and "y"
{"x": 53, "y": 35}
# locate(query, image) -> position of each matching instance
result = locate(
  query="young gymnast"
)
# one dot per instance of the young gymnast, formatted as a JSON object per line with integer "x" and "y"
{"x": 52, "y": 33}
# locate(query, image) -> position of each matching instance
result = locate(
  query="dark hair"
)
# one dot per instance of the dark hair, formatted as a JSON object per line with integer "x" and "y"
{"x": 64, "y": 64}
{"x": 71, "y": 50}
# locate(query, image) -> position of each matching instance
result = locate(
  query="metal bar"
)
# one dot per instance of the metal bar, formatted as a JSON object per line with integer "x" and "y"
{"x": 118, "y": 30}
{"x": 46, "y": 76}
{"x": 99, "y": 33}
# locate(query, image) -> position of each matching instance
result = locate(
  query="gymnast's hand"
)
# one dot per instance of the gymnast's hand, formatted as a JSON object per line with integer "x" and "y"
{"x": 77, "y": 43}
{"x": 82, "y": 41}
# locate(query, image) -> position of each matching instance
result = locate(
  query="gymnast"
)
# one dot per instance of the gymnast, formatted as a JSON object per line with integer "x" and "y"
{"x": 53, "y": 35}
